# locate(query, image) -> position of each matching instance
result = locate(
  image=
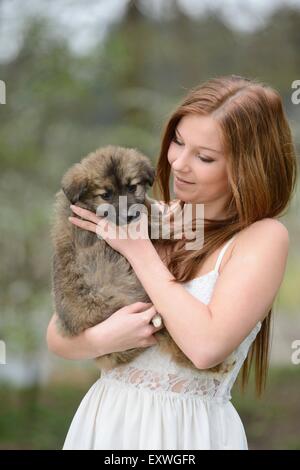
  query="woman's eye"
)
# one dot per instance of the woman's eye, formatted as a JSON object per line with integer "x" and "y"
{"x": 206, "y": 160}
{"x": 176, "y": 141}
{"x": 131, "y": 188}
{"x": 203, "y": 159}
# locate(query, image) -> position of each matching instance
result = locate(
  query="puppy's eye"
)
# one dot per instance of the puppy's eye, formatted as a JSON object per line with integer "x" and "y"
{"x": 131, "y": 188}
{"x": 106, "y": 196}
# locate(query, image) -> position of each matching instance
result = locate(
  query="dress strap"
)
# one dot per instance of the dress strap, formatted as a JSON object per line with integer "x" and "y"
{"x": 221, "y": 254}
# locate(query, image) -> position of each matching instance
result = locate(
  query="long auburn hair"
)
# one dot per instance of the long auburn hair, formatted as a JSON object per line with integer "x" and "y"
{"x": 262, "y": 175}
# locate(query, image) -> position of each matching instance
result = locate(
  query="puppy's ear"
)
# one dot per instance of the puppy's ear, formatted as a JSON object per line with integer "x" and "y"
{"x": 75, "y": 183}
{"x": 148, "y": 175}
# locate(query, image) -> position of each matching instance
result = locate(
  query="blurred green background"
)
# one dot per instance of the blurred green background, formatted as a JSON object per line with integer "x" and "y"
{"x": 80, "y": 75}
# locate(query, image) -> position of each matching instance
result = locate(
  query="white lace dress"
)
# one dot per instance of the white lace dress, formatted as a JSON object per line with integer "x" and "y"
{"x": 153, "y": 403}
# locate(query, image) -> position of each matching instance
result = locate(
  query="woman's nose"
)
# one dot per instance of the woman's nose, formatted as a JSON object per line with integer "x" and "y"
{"x": 181, "y": 161}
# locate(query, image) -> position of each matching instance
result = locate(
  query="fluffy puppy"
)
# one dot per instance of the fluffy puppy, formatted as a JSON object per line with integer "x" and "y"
{"x": 91, "y": 280}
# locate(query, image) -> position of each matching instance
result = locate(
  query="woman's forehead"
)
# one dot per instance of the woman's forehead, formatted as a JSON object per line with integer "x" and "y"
{"x": 201, "y": 132}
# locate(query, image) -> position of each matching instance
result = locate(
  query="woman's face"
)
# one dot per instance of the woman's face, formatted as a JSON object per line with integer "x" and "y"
{"x": 196, "y": 156}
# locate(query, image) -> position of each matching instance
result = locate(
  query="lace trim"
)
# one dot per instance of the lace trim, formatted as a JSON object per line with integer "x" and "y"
{"x": 241, "y": 353}
{"x": 205, "y": 386}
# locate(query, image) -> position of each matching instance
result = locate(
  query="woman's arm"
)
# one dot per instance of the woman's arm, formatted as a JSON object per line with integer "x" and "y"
{"x": 242, "y": 296}
{"x": 127, "y": 328}
{"x": 244, "y": 291}
{"x": 82, "y": 346}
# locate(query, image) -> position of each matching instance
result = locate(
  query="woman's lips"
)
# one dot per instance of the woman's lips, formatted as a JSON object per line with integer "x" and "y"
{"x": 181, "y": 182}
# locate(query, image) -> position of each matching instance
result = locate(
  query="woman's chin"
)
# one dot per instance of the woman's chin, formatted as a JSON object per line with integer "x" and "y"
{"x": 183, "y": 198}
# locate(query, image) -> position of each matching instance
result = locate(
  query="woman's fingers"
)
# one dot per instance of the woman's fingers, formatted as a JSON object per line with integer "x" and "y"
{"x": 138, "y": 307}
{"x": 149, "y": 314}
{"x": 85, "y": 214}
{"x": 153, "y": 318}
{"x": 89, "y": 221}
{"x": 83, "y": 224}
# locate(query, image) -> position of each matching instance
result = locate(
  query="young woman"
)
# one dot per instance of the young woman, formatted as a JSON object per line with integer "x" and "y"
{"x": 229, "y": 147}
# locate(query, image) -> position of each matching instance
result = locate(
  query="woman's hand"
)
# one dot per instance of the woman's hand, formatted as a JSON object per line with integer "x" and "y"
{"x": 129, "y": 327}
{"x": 125, "y": 238}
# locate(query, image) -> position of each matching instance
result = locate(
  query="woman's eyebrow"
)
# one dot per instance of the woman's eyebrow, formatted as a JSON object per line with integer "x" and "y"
{"x": 200, "y": 146}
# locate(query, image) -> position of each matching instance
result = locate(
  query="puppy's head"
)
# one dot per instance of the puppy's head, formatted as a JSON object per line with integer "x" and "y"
{"x": 114, "y": 179}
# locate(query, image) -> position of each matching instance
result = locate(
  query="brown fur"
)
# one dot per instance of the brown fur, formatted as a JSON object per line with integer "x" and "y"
{"x": 90, "y": 279}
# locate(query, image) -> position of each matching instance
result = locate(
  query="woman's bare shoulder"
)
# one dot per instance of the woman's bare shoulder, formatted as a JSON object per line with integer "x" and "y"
{"x": 266, "y": 232}
{"x": 263, "y": 229}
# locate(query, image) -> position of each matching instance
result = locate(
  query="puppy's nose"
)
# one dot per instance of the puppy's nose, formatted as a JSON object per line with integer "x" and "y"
{"x": 131, "y": 217}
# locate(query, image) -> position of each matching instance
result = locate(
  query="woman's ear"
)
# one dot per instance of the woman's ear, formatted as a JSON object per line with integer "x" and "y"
{"x": 75, "y": 183}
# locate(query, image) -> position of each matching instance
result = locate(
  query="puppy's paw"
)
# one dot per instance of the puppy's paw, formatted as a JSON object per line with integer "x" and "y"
{"x": 157, "y": 321}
